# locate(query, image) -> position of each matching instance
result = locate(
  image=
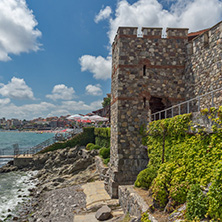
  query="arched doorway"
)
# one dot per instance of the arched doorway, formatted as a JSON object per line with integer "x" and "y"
{"x": 156, "y": 104}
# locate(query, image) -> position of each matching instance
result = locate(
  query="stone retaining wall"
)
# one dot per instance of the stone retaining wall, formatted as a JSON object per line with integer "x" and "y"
{"x": 132, "y": 202}
{"x": 101, "y": 168}
{"x": 23, "y": 162}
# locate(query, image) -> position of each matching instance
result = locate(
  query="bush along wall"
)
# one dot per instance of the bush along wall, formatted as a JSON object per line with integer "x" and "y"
{"x": 102, "y": 137}
{"x": 81, "y": 139}
{"x": 185, "y": 165}
{"x": 102, "y": 143}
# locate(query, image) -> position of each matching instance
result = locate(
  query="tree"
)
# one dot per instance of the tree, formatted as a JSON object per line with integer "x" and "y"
{"x": 106, "y": 101}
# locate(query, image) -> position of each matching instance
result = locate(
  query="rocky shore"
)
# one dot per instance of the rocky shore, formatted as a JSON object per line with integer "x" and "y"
{"x": 58, "y": 193}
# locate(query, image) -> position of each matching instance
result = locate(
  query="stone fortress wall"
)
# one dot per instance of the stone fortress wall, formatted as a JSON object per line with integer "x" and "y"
{"x": 151, "y": 73}
{"x": 203, "y": 71}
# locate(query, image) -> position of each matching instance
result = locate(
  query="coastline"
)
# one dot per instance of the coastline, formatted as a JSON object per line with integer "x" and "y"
{"x": 58, "y": 180}
{"x": 15, "y": 192}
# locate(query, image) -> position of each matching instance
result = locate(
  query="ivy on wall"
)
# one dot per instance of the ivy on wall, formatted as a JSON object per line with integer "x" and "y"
{"x": 181, "y": 156}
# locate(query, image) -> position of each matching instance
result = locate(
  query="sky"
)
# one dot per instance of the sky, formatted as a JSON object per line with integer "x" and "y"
{"x": 55, "y": 56}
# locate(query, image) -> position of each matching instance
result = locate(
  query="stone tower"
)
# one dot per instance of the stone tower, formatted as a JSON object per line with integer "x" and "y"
{"x": 147, "y": 75}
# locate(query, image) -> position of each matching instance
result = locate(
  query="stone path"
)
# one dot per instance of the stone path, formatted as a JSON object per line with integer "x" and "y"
{"x": 96, "y": 196}
{"x": 95, "y": 193}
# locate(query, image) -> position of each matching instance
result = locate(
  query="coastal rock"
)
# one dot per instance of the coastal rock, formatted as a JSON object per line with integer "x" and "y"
{"x": 57, "y": 172}
{"x": 80, "y": 164}
{"x": 59, "y": 179}
{"x": 103, "y": 213}
{"x": 8, "y": 168}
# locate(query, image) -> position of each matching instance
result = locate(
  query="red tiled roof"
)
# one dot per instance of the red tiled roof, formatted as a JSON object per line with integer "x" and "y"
{"x": 194, "y": 34}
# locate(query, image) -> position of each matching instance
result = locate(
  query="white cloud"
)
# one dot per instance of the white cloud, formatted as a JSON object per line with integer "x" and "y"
{"x": 16, "y": 89}
{"x": 27, "y": 111}
{"x": 94, "y": 90}
{"x": 59, "y": 112}
{"x": 103, "y": 14}
{"x": 192, "y": 14}
{"x": 18, "y": 31}
{"x": 4, "y": 101}
{"x": 99, "y": 66}
{"x": 61, "y": 92}
{"x": 81, "y": 106}
{"x": 44, "y": 109}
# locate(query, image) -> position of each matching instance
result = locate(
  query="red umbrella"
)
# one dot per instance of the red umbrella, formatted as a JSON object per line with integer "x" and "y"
{"x": 86, "y": 121}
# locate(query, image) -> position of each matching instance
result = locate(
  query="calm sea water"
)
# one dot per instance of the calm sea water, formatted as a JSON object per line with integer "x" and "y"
{"x": 25, "y": 140}
{"x": 14, "y": 185}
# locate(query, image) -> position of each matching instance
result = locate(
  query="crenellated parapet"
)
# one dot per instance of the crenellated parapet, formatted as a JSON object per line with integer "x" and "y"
{"x": 152, "y": 32}
{"x": 148, "y": 32}
{"x": 177, "y": 33}
{"x": 128, "y": 31}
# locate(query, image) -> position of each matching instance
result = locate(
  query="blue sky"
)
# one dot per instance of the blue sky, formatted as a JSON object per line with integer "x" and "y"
{"x": 55, "y": 55}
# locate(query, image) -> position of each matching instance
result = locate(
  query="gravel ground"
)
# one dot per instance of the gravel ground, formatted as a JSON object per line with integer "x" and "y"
{"x": 59, "y": 205}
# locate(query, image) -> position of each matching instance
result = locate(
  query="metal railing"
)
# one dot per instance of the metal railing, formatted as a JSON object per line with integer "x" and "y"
{"x": 44, "y": 144}
{"x": 41, "y": 146}
{"x": 192, "y": 105}
{"x": 33, "y": 150}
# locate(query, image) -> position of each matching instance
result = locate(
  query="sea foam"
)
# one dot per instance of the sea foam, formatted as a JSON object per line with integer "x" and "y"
{"x": 13, "y": 191}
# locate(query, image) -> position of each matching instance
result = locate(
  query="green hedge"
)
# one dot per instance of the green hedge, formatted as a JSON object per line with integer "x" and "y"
{"x": 102, "y": 137}
{"x": 104, "y": 152}
{"x": 186, "y": 161}
{"x": 81, "y": 139}
{"x": 103, "y": 132}
{"x": 95, "y": 147}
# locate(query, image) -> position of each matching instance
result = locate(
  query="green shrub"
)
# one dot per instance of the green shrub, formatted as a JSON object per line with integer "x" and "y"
{"x": 102, "y": 141}
{"x": 160, "y": 185}
{"x": 184, "y": 158}
{"x": 95, "y": 147}
{"x": 145, "y": 177}
{"x": 81, "y": 139}
{"x": 102, "y": 132}
{"x": 89, "y": 145}
{"x": 197, "y": 203}
{"x": 145, "y": 218}
{"x": 106, "y": 161}
{"x": 104, "y": 152}
{"x": 215, "y": 194}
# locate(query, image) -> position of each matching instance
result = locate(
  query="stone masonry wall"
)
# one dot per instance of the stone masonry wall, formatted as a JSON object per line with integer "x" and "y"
{"x": 169, "y": 70}
{"x": 204, "y": 66}
{"x": 142, "y": 68}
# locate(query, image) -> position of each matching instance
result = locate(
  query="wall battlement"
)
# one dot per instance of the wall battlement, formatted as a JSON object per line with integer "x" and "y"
{"x": 151, "y": 32}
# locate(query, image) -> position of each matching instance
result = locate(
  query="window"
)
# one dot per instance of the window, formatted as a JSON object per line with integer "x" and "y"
{"x": 144, "y": 102}
{"x": 144, "y": 70}
{"x": 206, "y": 39}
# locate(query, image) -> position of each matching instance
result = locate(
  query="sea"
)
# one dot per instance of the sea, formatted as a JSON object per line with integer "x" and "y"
{"x": 14, "y": 185}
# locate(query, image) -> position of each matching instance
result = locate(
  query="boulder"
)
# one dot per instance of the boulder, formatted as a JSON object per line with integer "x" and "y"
{"x": 104, "y": 213}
